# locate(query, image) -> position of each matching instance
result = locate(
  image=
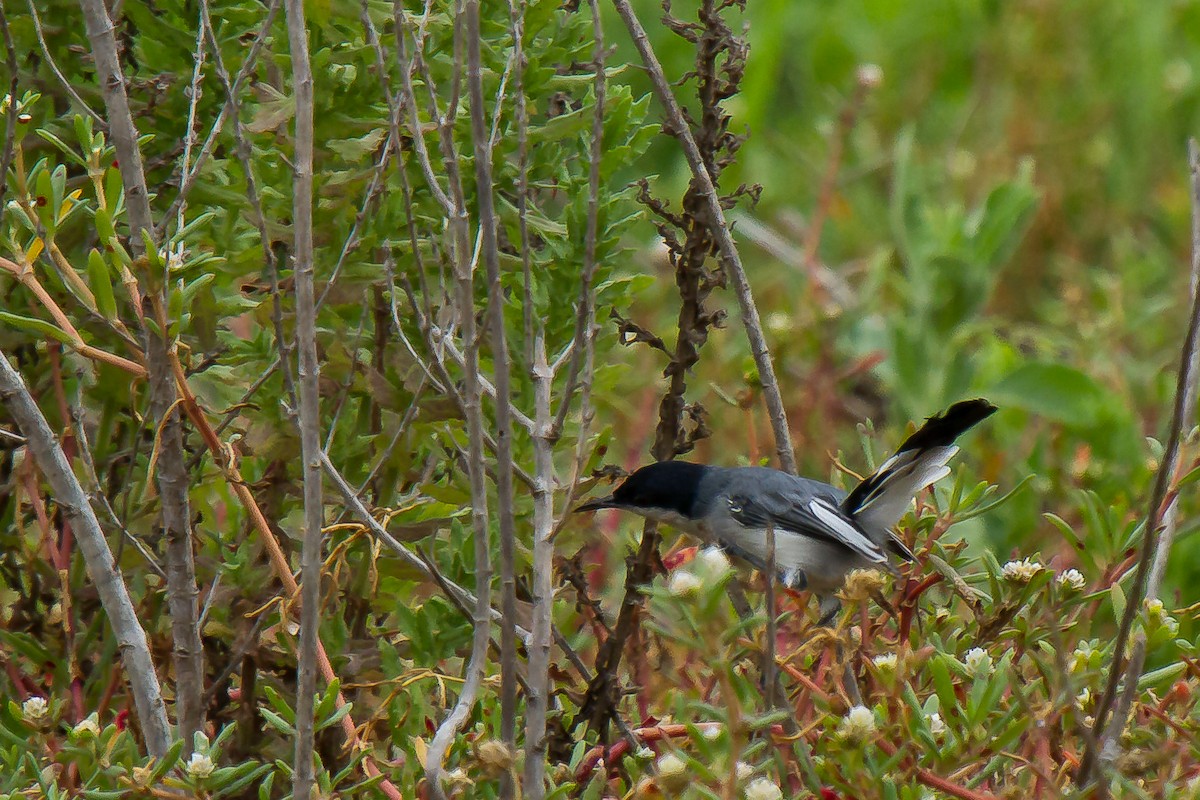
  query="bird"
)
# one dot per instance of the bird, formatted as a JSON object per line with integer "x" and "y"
{"x": 821, "y": 532}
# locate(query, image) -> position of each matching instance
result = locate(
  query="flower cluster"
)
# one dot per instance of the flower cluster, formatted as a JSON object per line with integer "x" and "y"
{"x": 978, "y": 663}
{"x": 1022, "y": 571}
{"x": 857, "y": 725}
{"x": 1071, "y": 580}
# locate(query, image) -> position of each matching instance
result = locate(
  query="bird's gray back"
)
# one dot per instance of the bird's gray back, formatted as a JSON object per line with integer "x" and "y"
{"x": 722, "y": 482}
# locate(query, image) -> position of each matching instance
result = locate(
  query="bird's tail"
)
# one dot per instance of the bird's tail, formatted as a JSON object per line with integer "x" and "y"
{"x": 882, "y": 498}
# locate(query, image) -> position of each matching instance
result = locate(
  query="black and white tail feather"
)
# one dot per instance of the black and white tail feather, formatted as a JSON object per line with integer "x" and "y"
{"x": 879, "y": 502}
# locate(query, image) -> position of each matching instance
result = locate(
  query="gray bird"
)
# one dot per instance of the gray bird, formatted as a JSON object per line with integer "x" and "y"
{"x": 821, "y": 533}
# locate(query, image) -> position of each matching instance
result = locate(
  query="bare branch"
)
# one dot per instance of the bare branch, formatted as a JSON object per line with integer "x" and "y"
{"x": 503, "y": 406}
{"x": 585, "y": 320}
{"x": 228, "y": 111}
{"x": 189, "y": 136}
{"x": 10, "y": 112}
{"x": 410, "y": 102}
{"x": 1159, "y": 533}
{"x": 542, "y": 587}
{"x": 171, "y": 466}
{"x": 96, "y": 495}
{"x": 729, "y": 254}
{"x": 102, "y": 569}
{"x": 471, "y": 392}
{"x": 309, "y": 374}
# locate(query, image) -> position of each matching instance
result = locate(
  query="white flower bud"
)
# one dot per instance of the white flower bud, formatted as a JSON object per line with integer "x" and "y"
{"x": 978, "y": 663}
{"x": 35, "y": 710}
{"x": 199, "y": 766}
{"x": 88, "y": 727}
{"x": 869, "y": 75}
{"x": 763, "y": 789}
{"x": 684, "y": 583}
{"x": 713, "y": 562}
{"x": 1022, "y": 571}
{"x": 857, "y": 725}
{"x": 1071, "y": 580}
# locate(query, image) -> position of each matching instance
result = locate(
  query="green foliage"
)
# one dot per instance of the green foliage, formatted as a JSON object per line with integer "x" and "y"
{"x": 1007, "y": 217}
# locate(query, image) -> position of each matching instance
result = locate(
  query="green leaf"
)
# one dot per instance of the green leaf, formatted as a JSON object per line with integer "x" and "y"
{"x": 44, "y": 202}
{"x": 100, "y": 282}
{"x": 1055, "y": 391}
{"x": 943, "y": 684}
{"x": 31, "y": 325}
{"x": 83, "y": 131}
{"x": 65, "y": 148}
{"x": 168, "y": 761}
{"x": 1118, "y": 600}
{"x": 277, "y": 722}
{"x": 355, "y": 150}
{"x": 327, "y": 702}
{"x": 104, "y": 225}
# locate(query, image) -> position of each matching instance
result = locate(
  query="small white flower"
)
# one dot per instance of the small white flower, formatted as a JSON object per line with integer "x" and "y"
{"x": 936, "y": 726}
{"x": 714, "y": 562}
{"x": 1177, "y": 76}
{"x": 173, "y": 257}
{"x": 885, "y": 663}
{"x": 671, "y": 773}
{"x": 1157, "y": 616}
{"x": 88, "y": 727}
{"x": 763, "y": 789}
{"x": 869, "y": 75}
{"x": 963, "y": 164}
{"x": 458, "y": 778}
{"x": 778, "y": 322}
{"x": 1021, "y": 571}
{"x": 684, "y": 583}
{"x": 857, "y": 725}
{"x": 644, "y": 753}
{"x": 978, "y": 662}
{"x": 743, "y": 770}
{"x": 199, "y": 766}
{"x": 671, "y": 766}
{"x": 1071, "y": 580}
{"x": 35, "y": 709}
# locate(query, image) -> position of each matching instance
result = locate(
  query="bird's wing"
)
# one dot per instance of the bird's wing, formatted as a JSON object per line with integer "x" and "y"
{"x": 806, "y": 514}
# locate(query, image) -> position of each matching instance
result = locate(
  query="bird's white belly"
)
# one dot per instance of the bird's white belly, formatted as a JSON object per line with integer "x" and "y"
{"x": 824, "y": 564}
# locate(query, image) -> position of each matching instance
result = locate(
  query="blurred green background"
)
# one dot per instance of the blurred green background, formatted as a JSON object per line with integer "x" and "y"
{"x": 1009, "y": 216}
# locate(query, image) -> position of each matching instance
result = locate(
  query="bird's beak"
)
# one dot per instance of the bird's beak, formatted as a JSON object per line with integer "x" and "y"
{"x": 596, "y": 505}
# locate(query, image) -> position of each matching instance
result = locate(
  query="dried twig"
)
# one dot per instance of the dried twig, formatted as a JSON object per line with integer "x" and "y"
{"x": 1157, "y": 536}
{"x": 102, "y": 569}
{"x": 720, "y": 230}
